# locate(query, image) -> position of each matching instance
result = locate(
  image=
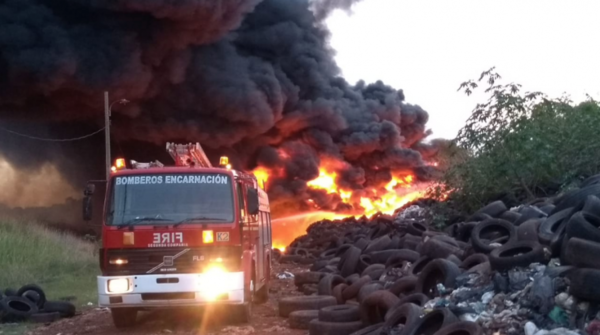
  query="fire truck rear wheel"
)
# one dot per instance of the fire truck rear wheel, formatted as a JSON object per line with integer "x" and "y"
{"x": 262, "y": 295}
{"x": 123, "y": 317}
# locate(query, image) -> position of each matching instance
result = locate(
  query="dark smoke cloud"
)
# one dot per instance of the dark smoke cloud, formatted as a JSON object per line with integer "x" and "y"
{"x": 253, "y": 79}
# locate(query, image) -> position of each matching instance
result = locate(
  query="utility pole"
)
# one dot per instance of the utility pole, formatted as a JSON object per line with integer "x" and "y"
{"x": 107, "y": 134}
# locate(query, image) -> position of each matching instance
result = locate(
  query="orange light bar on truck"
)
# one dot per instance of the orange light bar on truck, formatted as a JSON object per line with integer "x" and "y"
{"x": 224, "y": 161}
{"x": 208, "y": 236}
{"x": 120, "y": 163}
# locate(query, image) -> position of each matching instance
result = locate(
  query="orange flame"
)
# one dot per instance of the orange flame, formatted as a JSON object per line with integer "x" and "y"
{"x": 396, "y": 193}
{"x": 262, "y": 175}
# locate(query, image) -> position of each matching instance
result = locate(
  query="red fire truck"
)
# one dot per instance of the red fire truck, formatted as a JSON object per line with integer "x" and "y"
{"x": 182, "y": 236}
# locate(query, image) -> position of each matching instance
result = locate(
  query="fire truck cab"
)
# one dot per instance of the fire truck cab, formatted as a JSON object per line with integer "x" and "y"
{"x": 182, "y": 236}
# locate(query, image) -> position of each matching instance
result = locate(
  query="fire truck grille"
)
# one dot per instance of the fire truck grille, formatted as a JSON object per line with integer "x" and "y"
{"x": 169, "y": 260}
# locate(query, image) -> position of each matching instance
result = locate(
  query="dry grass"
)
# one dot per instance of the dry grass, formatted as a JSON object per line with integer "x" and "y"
{"x": 62, "y": 264}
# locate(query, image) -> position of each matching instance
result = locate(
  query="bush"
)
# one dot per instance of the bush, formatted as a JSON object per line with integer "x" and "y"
{"x": 518, "y": 146}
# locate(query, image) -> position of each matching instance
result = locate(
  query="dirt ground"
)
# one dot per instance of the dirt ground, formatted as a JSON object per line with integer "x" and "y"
{"x": 265, "y": 319}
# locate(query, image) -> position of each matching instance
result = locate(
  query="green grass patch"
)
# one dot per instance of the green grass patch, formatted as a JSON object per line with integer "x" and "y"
{"x": 62, "y": 264}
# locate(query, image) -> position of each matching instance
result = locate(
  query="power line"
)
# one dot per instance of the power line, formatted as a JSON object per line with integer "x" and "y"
{"x": 52, "y": 139}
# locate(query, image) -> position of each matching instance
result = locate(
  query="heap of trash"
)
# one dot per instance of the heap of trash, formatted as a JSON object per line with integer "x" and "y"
{"x": 533, "y": 269}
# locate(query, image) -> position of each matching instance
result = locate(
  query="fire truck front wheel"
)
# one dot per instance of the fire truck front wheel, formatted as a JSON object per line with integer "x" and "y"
{"x": 123, "y": 317}
{"x": 242, "y": 313}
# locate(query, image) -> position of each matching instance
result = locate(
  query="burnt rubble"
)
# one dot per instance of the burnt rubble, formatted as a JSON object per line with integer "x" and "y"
{"x": 533, "y": 269}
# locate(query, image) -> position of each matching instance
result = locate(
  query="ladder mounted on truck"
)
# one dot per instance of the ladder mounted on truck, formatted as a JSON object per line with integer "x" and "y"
{"x": 191, "y": 155}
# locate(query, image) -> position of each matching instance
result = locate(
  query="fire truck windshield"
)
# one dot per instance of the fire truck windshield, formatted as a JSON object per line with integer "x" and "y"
{"x": 168, "y": 198}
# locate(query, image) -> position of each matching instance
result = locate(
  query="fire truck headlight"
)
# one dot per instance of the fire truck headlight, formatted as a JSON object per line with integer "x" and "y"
{"x": 214, "y": 281}
{"x": 120, "y": 285}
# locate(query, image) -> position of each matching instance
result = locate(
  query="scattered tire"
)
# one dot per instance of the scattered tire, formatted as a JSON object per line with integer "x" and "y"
{"x": 404, "y": 314}
{"x": 349, "y": 261}
{"x": 461, "y": 328}
{"x": 404, "y": 286}
{"x": 474, "y": 259}
{"x": 311, "y": 277}
{"x": 419, "y": 265}
{"x": 592, "y": 205}
{"x": 490, "y": 230}
{"x": 416, "y": 228}
{"x": 583, "y": 253}
{"x": 317, "y": 327}
{"x": 438, "y": 271}
{"x": 41, "y": 296}
{"x": 337, "y": 293}
{"x": 367, "y": 289}
{"x": 510, "y": 216}
{"x": 517, "y": 254}
{"x": 548, "y": 229}
{"x": 351, "y": 291}
{"x": 378, "y": 244}
{"x": 288, "y": 305}
{"x": 301, "y": 319}
{"x": 398, "y": 257}
{"x": 340, "y": 313}
{"x": 431, "y": 322}
{"x": 576, "y": 198}
{"x": 528, "y": 230}
{"x": 529, "y": 213}
{"x": 436, "y": 248}
{"x": 17, "y": 308}
{"x": 327, "y": 283}
{"x": 493, "y": 209}
{"x": 584, "y": 225}
{"x": 375, "y": 306}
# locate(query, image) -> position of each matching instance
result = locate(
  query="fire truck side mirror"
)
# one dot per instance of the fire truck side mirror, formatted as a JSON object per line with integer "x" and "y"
{"x": 252, "y": 201}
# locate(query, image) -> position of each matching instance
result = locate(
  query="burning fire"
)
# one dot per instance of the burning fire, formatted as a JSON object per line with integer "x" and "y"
{"x": 396, "y": 193}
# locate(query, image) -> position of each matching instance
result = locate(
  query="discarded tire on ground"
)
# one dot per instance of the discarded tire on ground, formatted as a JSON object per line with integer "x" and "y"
{"x": 292, "y": 304}
{"x": 301, "y": 319}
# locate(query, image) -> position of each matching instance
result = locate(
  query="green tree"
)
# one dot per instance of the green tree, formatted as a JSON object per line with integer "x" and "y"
{"x": 520, "y": 145}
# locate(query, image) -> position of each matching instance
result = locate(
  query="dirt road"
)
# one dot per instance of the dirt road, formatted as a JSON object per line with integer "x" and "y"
{"x": 265, "y": 319}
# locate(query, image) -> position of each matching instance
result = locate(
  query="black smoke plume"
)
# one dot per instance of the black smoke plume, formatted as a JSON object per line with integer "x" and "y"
{"x": 252, "y": 79}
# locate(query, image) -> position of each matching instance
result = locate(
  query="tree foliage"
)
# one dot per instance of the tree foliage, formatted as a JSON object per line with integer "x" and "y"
{"x": 520, "y": 145}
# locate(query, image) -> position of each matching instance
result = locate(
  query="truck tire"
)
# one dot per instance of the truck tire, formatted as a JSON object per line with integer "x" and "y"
{"x": 123, "y": 317}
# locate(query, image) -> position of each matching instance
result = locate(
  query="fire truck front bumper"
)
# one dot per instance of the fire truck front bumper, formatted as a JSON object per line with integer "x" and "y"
{"x": 171, "y": 290}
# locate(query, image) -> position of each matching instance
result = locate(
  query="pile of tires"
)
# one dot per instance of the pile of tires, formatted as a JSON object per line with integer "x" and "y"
{"x": 375, "y": 276}
{"x": 29, "y": 304}
{"x": 382, "y": 312}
